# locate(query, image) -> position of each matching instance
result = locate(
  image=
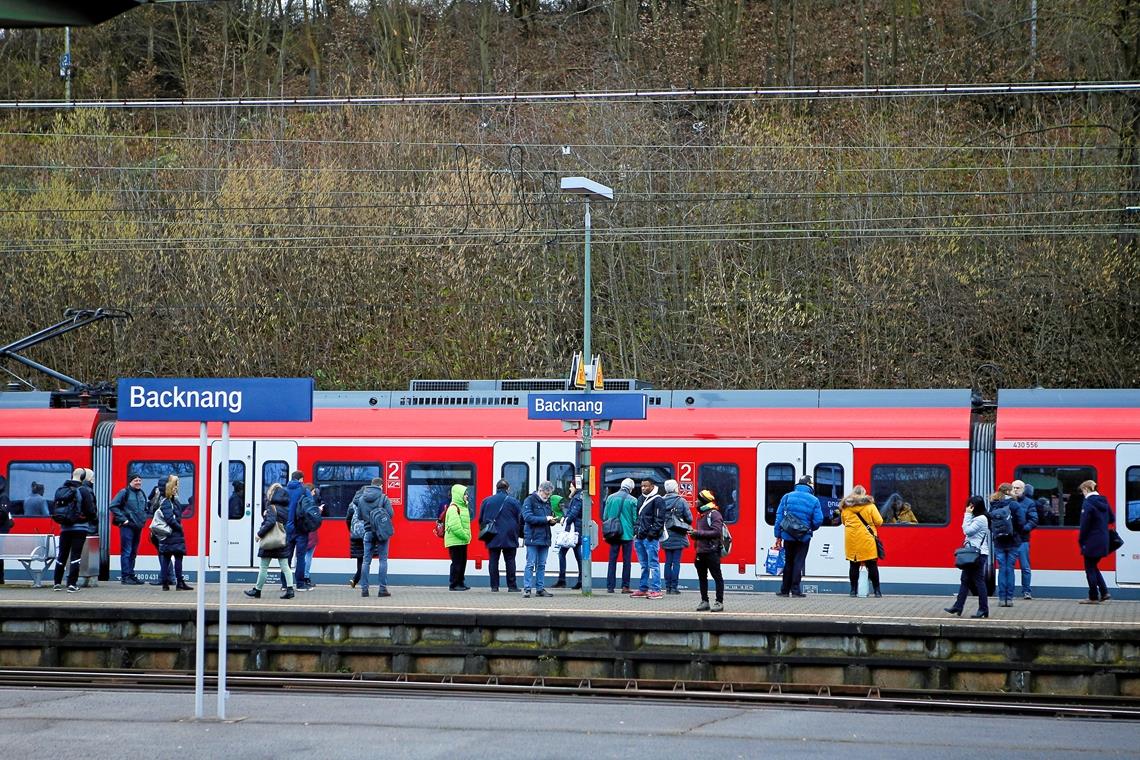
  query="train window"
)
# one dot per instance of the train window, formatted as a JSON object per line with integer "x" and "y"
{"x": 1132, "y": 498}
{"x": 829, "y": 490}
{"x": 560, "y": 474}
{"x": 273, "y": 472}
{"x": 1058, "y": 492}
{"x": 339, "y": 482}
{"x": 614, "y": 474}
{"x": 236, "y": 501}
{"x": 151, "y": 471}
{"x": 724, "y": 482}
{"x": 912, "y": 493}
{"x": 427, "y": 488}
{"x": 779, "y": 479}
{"x": 518, "y": 475}
{"x": 32, "y": 485}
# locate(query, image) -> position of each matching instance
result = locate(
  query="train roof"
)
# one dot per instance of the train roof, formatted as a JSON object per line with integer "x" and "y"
{"x": 1092, "y": 415}
{"x": 48, "y": 423}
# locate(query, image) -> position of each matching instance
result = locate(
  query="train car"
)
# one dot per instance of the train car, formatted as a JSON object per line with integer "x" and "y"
{"x": 926, "y": 449}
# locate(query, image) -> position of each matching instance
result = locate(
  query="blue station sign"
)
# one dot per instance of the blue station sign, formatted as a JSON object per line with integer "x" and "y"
{"x": 196, "y": 399}
{"x": 586, "y": 406}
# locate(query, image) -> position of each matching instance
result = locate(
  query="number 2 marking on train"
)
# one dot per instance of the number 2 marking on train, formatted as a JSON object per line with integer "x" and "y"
{"x": 685, "y": 470}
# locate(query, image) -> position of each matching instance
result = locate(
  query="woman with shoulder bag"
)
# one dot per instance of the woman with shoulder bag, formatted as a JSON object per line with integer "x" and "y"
{"x": 1096, "y": 516}
{"x": 572, "y": 520}
{"x": 976, "y": 529}
{"x": 274, "y": 515}
{"x": 861, "y": 521}
{"x": 678, "y": 523}
{"x": 172, "y": 546}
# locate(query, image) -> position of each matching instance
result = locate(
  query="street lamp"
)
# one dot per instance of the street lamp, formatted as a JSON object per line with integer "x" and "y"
{"x": 589, "y": 190}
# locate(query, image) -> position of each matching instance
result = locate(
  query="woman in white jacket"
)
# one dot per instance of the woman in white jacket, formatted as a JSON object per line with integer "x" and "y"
{"x": 976, "y": 529}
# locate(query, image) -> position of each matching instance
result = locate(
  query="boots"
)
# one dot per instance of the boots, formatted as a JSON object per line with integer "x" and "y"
{"x": 253, "y": 593}
{"x": 288, "y": 593}
{"x": 166, "y": 585}
{"x": 183, "y": 586}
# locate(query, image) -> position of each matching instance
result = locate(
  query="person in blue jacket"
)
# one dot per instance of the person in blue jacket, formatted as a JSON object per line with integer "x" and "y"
{"x": 805, "y": 513}
{"x": 1096, "y": 516}
{"x": 505, "y": 512}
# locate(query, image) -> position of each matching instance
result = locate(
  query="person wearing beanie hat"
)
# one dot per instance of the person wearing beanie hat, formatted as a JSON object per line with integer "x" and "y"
{"x": 129, "y": 513}
{"x": 622, "y": 507}
{"x": 676, "y": 537}
{"x": 707, "y": 532}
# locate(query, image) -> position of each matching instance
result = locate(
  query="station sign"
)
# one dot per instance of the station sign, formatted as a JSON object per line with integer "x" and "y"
{"x": 587, "y": 406}
{"x": 226, "y": 399}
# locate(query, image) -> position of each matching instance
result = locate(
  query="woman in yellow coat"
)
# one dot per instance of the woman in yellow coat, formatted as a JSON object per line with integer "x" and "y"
{"x": 859, "y": 536}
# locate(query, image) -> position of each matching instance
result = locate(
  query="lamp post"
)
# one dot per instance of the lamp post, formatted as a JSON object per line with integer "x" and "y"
{"x": 589, "y": 190}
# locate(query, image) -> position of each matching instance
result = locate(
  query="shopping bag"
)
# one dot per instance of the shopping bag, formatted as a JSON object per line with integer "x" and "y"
{"x": 774, "y": 564}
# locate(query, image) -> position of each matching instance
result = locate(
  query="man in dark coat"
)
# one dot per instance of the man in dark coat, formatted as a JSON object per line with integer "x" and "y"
{"x": 1024, "y": 521}
{"x": 129, "y": 512}
{"x": 505, "y": 512}
{"x": 802, "y": 503}
{"x": 537, "y": 516}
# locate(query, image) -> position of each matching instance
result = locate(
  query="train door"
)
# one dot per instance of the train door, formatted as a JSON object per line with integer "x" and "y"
{"x": 256, "y": 465}
{"x": 1128, "y": 512}
{"x": 525, "y": 464}
{"x": 779, "y": 465}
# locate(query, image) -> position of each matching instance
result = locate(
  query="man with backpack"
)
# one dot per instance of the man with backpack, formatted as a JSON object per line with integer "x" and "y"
{"x": 297, "y": 539}
{"x": 73, "y": 507}
{"x": 129, "y": 512}
{"x": 374, "y": 511}
{"x": 1006, "y": 540}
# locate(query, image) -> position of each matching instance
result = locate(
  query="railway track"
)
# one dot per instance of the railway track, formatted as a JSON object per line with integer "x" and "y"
{"x": 498, "y": 687}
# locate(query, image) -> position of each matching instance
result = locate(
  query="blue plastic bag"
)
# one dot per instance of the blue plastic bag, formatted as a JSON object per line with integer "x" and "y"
{"x": 774, "y": 564}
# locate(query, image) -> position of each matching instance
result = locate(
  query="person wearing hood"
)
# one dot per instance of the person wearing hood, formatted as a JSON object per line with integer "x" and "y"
{"x": 707, "y": 531}
{"x": 72, "y": 535}
{"x": 375, "y": 510}
{"x": 802, "y": 508}
{"x": 275, "y": 512}
{"x": 1096, "y": 517}
{"x": 572, "y": 517}
{"x": 537, "y": 516}
{"x": 623, "y": 506}
{"x": 647, "y": 540}
{"x": 129, "y": 512}
{"x": 676, "y": 539}
{"x": 456, "y": 536}
{"x": 861, "y": 521}
{"x": 172, "y": 546}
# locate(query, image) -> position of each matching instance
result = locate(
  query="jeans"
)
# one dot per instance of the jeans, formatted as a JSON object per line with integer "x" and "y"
{"x": 626, "y": 550}
{"x": 795, "y": 555}
{"x": 301, "y": 565}
{"x": 535, "y": 567}
{"x": 458, "y": 573}
{"x": 70, "y": 551}
{"x": 672, "y": 568}
{"x": 508, "y": 556}
{"x": 286, "y": 573}
{"x": 373, "y": 545}
{"x": 1006, "y": 557}
{"x": 562, "y": 563}
{"x": 1097, "y": 588}
{"x": 973, "y": 579}
{"x": 647, "y": 554}
{"x": 709, "y": 564}
{"x": 128, "y": 550}
{"x": 1023, "y": 562}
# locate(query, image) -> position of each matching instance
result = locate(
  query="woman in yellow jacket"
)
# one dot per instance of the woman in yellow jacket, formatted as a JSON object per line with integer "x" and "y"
{"x": 861, "y": 521}
{"x": 456, "y": 536}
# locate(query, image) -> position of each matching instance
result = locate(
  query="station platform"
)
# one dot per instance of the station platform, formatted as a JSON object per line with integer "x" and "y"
{"x": 1054, "y": 646}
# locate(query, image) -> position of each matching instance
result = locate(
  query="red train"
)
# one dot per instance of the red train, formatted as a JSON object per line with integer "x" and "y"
{"x": 934, "y": 448}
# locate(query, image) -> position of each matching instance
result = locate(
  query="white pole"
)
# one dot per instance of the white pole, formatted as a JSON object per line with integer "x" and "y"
{"x": 200, "y": 619}
{"x": 223, "y": 575}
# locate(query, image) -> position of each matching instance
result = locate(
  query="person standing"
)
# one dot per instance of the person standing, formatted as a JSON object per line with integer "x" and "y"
{"x": 976, "y": 529}
{"x": 537, "y": 516}
{"x": 647, "y": 540}
{"x": 677, "y": 539}
{"x": 77, "y": 520}
{"x": 36, "y": 505}
{"x": 297, "y": 542}
{"x": 707, "y": 531}
{"x": 128, "y": 511}
{"x": 237, "y": 500}
{"x": 1025, "y": 520}
{"x": 456, "y": 537}
{"x": 571, "y": 520}
{"x": 1096, "y": 517}
{"x": 861, "y": 521}
{"x": 172, "y": 546}
{"x": 355, "y": 535}
{"x": 806, "y": 517}
{"x": 276, "y": 512}
{"x": 1004, "y": 539}
{"x": 504, "y": 512}
{"x": 623, "y": 506}
{"x": 376, "y": 512}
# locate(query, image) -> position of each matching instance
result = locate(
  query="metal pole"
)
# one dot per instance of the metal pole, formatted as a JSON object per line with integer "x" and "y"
{"x": 587, "y": 431}
{"x": 224, "y": 552}
{"x": 200, "y": 618}
{"x": 67, "y": 55}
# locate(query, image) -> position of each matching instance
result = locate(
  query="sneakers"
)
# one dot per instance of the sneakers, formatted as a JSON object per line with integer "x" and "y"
{"x": 654, "y": 595}
{"x": 526, "y": 593}
{"x": 639, "y": 594}
{"x": 130, "y": 580}
{"x": 1089, "y": 601}
{"x": 383, "y": 593}
{"x": 717, "y": 607}
{"x": 253, "y": 593}
{"x": 1027, "y": 595}
{"x": 559, "y": 584}
{"x": 364, "y": 592}
{"x": 514, "y": 590}
{"x": 543, "y": 592}
{"x": 703, "y": 606}
{"x": 352, "y": 583}
{"x": 57, "y": 587}
{"x": 72, "y": 589}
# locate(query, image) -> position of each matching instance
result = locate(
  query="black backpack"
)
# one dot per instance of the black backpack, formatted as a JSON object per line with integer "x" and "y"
{"x": 1001, "y": 523}
{"x": 380, "y": 520}
{"x": 309, "y": 516}
{"x": 65, "y": 506}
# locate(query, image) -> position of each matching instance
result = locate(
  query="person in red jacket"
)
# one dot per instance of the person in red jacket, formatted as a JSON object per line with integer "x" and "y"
{"x": 707, "y": 532}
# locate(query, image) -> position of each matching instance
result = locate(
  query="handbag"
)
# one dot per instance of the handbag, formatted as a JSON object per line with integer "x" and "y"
{"x": 966, "y": 555}
{"x": 274, "y": 538}
{"x": 159, "y": 528}
{"x": 794, "y": 526}
{"x": 677, "y": 524}
{"x": 487, "y": 530}
{"x": 567, "y": 538}
{"x": 774, "y": 564}
{"x": 612, "y": 530}
{"x": 1114, "y": 540}
{"x": 878, "y": 543}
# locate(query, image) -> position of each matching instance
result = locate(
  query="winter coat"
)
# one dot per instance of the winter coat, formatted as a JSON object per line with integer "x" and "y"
{"x": 859, "y": 543}
{"x": 708, "y": 529}
{"x": 506, "y": 511}
{"x": 675, "y": 505}
{"x": 129, "y": 508}
{"x": 367, "y": 499}
{"x": 976, "y": 529}
{"x": 650, "y": 517}
{"x": 1096, "y": 516}
{"x": 623, "y": 506}
{"x": 457, "y": 518}
{"x": 1024, "y": 516}
{"x": 175, "y": 543}
{"x": 276, "y": 512}
{"x": 295, "y": 489}
{"x": 87, "y": 506}
{"x": 536, "y": 526}
{"x": 802, "y": 503}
